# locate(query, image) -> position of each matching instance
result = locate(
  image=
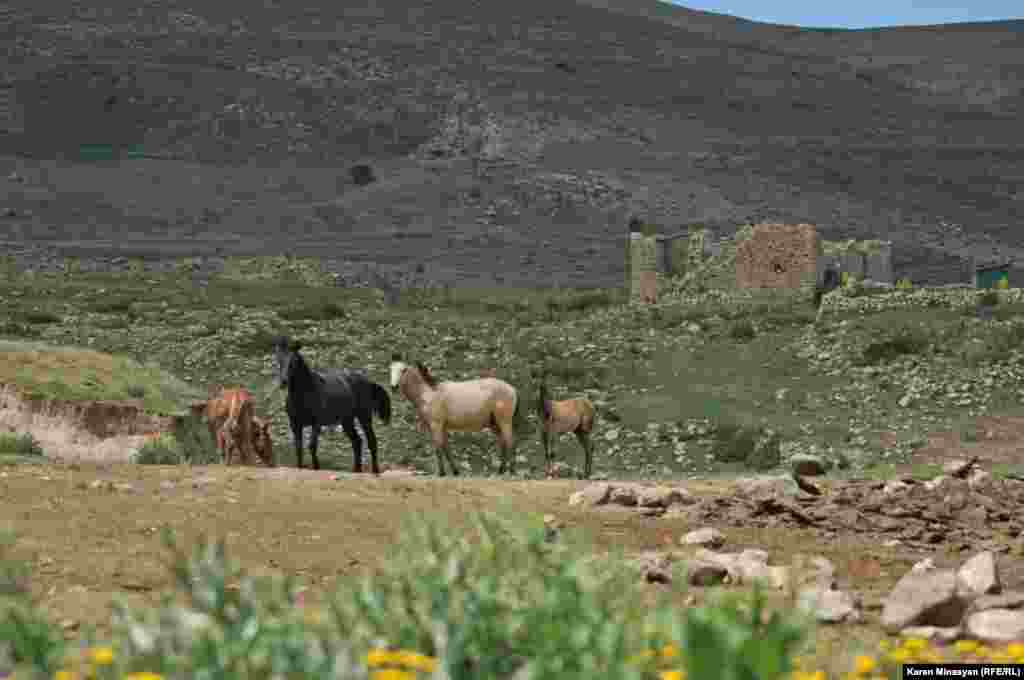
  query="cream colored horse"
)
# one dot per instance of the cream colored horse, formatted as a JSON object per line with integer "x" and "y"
{"x": 559, "y": 417}
{"x": 465, "y": 406}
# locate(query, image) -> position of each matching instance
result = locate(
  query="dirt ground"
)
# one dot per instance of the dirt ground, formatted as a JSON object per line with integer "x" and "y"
{"x": 92, "y": 530}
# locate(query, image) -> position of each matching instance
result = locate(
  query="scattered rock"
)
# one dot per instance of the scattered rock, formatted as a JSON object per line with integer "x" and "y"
{"x": 923, "y": 566}
{"x": 996, "y": 625}
{"x": 959, "y": 468}
{"x": 592, "y": 496}
{"x": 830, "y": 606}
{"x": 655, "y": 567}
{"x": 813, "y": 572}
{"x": 978, "y": 576}
{"x": 1009, "y": 599}
{"x": 932, "y": 633}
{"x": 623, "y": 495}
{"x": 924, "y": 598}
{"x": 704, "y": 574}
{"x": 707, "y": 537}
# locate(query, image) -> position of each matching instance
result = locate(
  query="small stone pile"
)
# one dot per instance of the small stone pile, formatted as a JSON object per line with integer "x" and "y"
{"x": 649, "y": 500}
{"x": 965, "y": 507}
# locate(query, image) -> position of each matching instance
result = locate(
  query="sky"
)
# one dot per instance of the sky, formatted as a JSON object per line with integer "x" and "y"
{"x": 863, "y": 13}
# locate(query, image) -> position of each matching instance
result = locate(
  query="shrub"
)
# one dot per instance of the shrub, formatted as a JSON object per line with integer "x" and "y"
{"x": 195, "y": 443}
{"x": 19, "y": 444}
{"x": 322, "y": 311}
{"x": 40, "y": 318}
{"x": 905, "y": 341}
{"x": 734, "y": 443}
{"x": 742, "y": 331}
{"x": 362, "y": 174}
{"x": 767, "y": 452}
{"x": 989, "y": 298}
{"x": 163, "y": 450}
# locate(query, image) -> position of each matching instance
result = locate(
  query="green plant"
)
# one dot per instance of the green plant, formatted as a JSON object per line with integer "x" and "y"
{"x": 40, "y": 318}
{"x": 317, "y": 311}
{"x": 1003, "y": 284}
{"x": 195, "y": 444}
{"x": 26, "y": 637}
{"x": 734, "y": 638}
{"x": 734, "y": 443}
{"x": 163, "y": 450}
{"x": 904, "y": 341}
{"x": 904, "y": 284}
{"x": 19, "y": 444}
{"x": 767, "y": 452}
{"x": 742, "y": 330}
{"x": 989, "y": 298}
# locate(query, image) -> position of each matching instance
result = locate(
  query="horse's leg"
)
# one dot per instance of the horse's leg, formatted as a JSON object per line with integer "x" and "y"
{"x": 366, "y": 421}
{"x": 451, "y": 462}
{"x": 585, "y": 442}
{"x": 440, "y": 439}
{"x": 314, "y": 441}
{"x": 349, "y": 424}
{"x": 509, "y": 444}
{"x": 545, "y": 442}
{"x": 297, "y": 438}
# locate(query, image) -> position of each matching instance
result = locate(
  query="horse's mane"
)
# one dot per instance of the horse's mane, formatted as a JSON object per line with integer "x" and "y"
{"x": 427, "y": 375}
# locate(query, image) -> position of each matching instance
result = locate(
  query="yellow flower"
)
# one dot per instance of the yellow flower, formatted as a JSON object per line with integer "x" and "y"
{"x": 915, "y": 644}
{"x": 415, "y": 660}
{"x": 983, "y": 651}
{"x": 379, "y": 657}
{"x": 1015, "y": 649}
{"x": 102, "y": 656}
{"x": 65, "y": 675}
{"x": 899, "y": 655}
{"x": 884, "y": 645}
{"x": 392, "y": 674}
{"x": 965, "y": 646}
{"x": 669, "y": 652}
{"x": 864, "y": 665}
{"x": 672, "y": 675}
{"x": 144, "y": 675}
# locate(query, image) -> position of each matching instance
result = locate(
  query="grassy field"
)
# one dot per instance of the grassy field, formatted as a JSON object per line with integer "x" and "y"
{"x": 674, "y": 383}
{"x": 690, "y": 389}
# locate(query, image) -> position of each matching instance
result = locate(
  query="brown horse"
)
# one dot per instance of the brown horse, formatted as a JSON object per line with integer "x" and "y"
{"x": 465, "y": 406}
{"x": 558, "y": 417}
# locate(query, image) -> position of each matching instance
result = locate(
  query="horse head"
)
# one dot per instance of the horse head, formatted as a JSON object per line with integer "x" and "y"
{"x": 286, "y": 358}
{"x": 425, "y": 372}
{"x": 396, "y": 370}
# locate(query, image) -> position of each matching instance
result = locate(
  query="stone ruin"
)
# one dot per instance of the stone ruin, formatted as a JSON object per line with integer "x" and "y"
{"x": 776, "y": 256}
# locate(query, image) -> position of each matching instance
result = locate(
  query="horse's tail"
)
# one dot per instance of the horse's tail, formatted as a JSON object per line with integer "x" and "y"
{"x": 382, "y": 403}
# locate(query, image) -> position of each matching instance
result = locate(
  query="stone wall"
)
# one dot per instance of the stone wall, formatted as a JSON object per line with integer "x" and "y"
{"x": 643, "y": 261}
{"x": 778, "y": 256}
{"x": 862, "y": 259}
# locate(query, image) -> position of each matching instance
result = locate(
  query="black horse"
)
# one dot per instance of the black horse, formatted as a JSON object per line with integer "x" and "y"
{"x": 329, "y": 397}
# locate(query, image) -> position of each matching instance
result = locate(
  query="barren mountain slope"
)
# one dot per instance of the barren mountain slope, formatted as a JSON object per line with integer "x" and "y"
{"x": 589, "y": 111}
